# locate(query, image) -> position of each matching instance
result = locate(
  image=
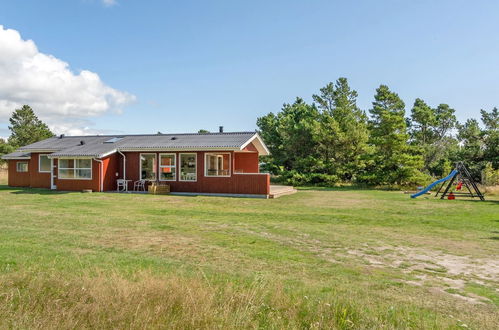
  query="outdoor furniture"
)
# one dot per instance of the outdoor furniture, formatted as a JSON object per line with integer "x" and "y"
{"x": 188, "y": 176}
{"x": 139, "y": 185}
{"x": 158, "y": 188}
{"x": 122, "y": 185}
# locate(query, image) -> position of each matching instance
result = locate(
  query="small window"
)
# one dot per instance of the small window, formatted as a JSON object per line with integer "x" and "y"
{"x": 22, "y": 166}
{"x": 167, "y": 167}
{"x": 217, "y": 164}
{"x": 44, "y": 164}
{"x": 148, "y": 166}
{"x": 80, "y": 169}
{"x": 188, "y": 167}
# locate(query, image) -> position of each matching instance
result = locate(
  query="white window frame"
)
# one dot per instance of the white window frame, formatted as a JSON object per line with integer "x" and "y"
{"x": 140, "y": 165}
{"x": 59, "y": 168}
{"x": 180, "y": 166}
{"x": 40, "y": 163}
{"x": 206, "y": 154}
{"x": 27, "y": 167}
{"x": 167, "y": 166}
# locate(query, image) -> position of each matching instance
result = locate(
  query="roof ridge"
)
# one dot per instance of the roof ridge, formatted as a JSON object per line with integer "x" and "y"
{"x": 162, "y": 134}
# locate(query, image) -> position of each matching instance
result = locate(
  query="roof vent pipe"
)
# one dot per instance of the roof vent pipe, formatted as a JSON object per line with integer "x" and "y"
{"x": 220, "y": 129}
{"x": 82, "y": 142}
{"x": 61, "y": 136}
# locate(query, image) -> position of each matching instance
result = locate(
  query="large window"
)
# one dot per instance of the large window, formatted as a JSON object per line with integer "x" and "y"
{"x": 217, "y": 164}
{"x": 148, "y": 167}
{"x": 43, "y": 164}
{"x": 188, "y": 167}
{"x": 167, "y": 167}
{"x": 79, "y": 169}
{"x": 22, "y": 166}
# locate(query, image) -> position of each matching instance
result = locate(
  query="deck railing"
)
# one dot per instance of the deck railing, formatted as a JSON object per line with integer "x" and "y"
{"x": 251, "y": 183}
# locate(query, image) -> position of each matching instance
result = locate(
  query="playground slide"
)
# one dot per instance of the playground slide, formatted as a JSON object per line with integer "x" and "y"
{"x": 425, "y": 190}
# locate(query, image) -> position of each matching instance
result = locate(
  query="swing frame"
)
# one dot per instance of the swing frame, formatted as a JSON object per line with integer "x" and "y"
{"x": 465, "y": 177}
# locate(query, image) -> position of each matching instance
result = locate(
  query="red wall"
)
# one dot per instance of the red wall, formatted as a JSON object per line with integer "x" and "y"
{"x": 78, "y": 185}
{"x": 250, "y": 147}
{"x": 235, "y": 184}
{"x": 246, "y": 162}
{"x": 18, "y": 179}
{"x": 110, "y": 168}
{"x": 109, "y": 173}
{"x": 37, "y": 179}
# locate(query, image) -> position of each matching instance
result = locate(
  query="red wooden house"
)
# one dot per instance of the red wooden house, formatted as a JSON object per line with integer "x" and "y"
{"x": 219, "y": 163}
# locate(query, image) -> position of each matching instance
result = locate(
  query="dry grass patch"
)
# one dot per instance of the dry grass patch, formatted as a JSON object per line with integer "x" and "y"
{"x": 47, "y": 301}
{"x": 491, "y": 190}
{"x": 3, "y": 176}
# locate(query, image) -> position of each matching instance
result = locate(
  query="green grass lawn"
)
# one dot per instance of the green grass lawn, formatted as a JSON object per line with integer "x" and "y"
{"x": 320, "y": 258}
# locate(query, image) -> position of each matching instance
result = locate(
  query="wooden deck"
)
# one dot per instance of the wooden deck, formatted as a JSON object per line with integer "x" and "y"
{"x": 278, "y": 191}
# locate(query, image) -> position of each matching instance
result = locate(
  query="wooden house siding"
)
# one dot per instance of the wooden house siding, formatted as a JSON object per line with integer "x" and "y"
{"x": 244, "y": 175}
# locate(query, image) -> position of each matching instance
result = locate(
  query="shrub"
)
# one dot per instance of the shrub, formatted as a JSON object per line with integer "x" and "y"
{"x": 490, "y": 176}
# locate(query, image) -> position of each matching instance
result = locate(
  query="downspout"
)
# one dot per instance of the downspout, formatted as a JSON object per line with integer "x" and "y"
{"x": 101, "y": 173}
{"x": 124, "y": 164}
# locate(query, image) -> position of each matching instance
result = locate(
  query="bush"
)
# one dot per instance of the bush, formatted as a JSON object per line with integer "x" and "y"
{"x": 490, "y": 176}
{"x": 295, "y": 178}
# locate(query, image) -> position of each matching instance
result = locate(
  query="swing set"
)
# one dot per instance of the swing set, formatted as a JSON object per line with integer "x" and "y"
{"x": 463, "y": 178}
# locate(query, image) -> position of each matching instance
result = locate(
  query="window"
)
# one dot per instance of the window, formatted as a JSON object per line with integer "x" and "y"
{"x": 79, "y": 169}
{"x": 148, "y": 167}
{"x": 22, "y": 166}
{"x": 217, "y": 164}
{"x": 167, "y": 167}
{"x": 188, "y": 167}
{"x": 43, "y": 164}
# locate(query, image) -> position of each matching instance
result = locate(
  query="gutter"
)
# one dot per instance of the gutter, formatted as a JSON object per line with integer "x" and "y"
{"x": 124, "y": 164}
{"x": 101, "y": 173}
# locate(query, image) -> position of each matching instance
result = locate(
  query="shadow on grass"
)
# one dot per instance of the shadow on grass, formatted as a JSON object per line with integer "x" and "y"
{"x": 31, "y": 191}
{"x": 345, "y": 188}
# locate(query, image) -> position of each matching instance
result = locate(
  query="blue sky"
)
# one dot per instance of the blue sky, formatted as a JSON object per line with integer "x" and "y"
{"x": 187, "y": 65}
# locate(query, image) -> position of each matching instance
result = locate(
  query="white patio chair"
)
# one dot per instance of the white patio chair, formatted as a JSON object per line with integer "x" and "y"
{"x": 139, "y": 185}
{"x": 121, "y": 185}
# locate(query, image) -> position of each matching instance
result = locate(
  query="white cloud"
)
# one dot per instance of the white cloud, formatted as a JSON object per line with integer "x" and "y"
{"x": 109, "y": 3}
{"x": 60, "y": 97}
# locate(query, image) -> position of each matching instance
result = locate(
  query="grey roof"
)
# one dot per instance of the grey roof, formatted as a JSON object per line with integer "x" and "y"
{"x": 17, "y": 155}
{"x": 96, "y": 146}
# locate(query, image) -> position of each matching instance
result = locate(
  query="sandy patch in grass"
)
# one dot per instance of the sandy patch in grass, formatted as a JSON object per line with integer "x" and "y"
{"x": 434, "y": 269}
{"x": 430, "y": 260}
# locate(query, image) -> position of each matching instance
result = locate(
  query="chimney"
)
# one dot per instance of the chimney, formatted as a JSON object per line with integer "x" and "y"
{"x": 220, "y": 129}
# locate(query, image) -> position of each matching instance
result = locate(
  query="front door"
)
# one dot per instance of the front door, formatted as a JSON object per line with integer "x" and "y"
{"x": 52, "y": 175}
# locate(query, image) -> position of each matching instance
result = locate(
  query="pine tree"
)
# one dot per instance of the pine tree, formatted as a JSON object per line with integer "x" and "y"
{"x": 26, "y": 128}
{"x": 344, "y": 132}
{"x": 394, "y": 161}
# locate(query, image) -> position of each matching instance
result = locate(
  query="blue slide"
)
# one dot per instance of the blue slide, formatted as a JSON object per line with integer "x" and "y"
{"x": 425, "y": 190}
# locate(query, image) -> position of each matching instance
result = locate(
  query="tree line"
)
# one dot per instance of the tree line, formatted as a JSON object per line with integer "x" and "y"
{"x": 332, "y": 140}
